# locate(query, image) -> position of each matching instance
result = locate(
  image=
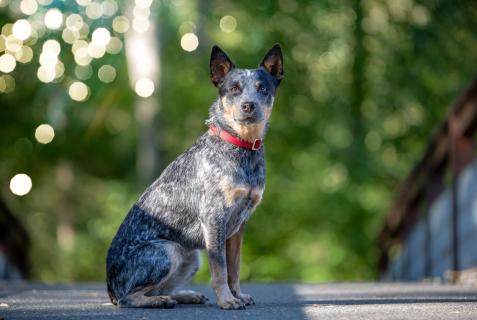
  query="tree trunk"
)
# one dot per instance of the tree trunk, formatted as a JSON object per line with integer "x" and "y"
{"x": 142, "y": 53}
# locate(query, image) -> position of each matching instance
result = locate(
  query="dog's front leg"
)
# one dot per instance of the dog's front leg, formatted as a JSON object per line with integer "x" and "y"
{"x": 233, "y": 253}
{"x": 214, "y": 234}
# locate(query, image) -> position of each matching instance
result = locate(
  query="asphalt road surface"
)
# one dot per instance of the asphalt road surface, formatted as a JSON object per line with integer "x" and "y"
{"x": 273, "y": 301}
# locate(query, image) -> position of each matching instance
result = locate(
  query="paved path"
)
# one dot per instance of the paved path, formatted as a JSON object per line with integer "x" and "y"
{"x": 274, "y": 301}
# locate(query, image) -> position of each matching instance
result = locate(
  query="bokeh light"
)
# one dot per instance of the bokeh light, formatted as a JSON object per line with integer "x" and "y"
{"x": 51, "y": 67}
{"x": 228, "y": 24}
{"x": 53, "y": 19}
{"x": 7, "y": 83}
{"x": 83, "y": 72}
{"x": 7, "y": 63}
{"x": 13, "y": 44}
{"x": 21, "y": 29}
{"x": 189, "y": 42}
{"x": 20, "y": 184}
{"x": 74, "y": 22}
{"x": 94, "y": 10}
{"x": 44, "y": 133}
{"x": 52, "y": 46}
{"x": 110, "y": 7}
{"x": 78, "y": 45}
{"x": 121, "y": 24}
{"x": 141, "y": 13}
{"x": 84, "y": 31}
{"x": 78, "y": 91}
{"x": 3, "y": 85}
{"x": 7, "y": 29}
{"x": 186, "y": 27}
{"x": 144, "y": 87}
{"x": 82, "y": 56}
{"x": 81, "y": 53}
{"x": 96, "y": 51}
{"x": 101, "y": 37}
{"x": 48, "y": 59}
{"x": 45, "y": 75}
{"x": 59, "y": 69}
{"x": 140, "y": 25}
{"x": 143, "y": 3}
{"x": 107, "y": 73}
{"x": 24, "y": 55}
{"x": 28, "y": 7}
{"x": 70, "y": 36}
{"x": 83, "y": 3}
{"x": 2, "y": 42}
{"x": 114, "y": 46}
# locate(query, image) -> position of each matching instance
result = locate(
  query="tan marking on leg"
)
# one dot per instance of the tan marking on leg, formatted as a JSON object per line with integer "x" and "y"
{"x": 256, "y": 196}
{"x": 233, "y": 254}
{"x": 231, "y": 191}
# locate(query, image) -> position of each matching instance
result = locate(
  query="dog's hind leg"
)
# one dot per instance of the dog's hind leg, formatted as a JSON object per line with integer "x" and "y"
{"x": 139, "y": 269}
{"x": 189, "y": 297}
{"x": 140, "y": 300}
{"x": 183, "y": 274}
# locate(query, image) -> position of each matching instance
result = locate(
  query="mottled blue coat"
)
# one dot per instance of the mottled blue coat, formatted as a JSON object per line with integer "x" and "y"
{"x": 200, "y": 201}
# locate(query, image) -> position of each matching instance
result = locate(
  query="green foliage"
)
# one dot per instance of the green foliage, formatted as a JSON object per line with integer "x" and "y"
{"x": 334, "y": 155}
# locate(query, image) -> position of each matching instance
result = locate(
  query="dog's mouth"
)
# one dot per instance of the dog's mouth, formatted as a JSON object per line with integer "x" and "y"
{"x": 247, "y": 119}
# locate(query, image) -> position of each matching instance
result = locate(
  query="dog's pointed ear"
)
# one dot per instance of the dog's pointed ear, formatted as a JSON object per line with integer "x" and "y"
{"x": 220, "y": 65}
{"x": 273, "y": 62}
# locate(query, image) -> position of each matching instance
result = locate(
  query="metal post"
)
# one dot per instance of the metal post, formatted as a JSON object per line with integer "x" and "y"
{"x": 427, "y": 246}
{"x": 434, "y": 189}
{"x": 453, "y": 130}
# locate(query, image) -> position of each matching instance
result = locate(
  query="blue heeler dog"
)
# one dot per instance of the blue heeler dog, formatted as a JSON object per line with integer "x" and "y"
{"x": 201, "y": 200}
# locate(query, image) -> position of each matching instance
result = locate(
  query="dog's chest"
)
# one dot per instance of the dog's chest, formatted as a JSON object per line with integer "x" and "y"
{"x": 241, "y": 197}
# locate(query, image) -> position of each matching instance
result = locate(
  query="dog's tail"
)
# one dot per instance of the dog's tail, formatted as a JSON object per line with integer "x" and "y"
{"x": 112, "y": 296}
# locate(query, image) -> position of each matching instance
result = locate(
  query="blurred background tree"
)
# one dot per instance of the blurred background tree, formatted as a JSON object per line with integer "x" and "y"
{"x": 365, "y": 83}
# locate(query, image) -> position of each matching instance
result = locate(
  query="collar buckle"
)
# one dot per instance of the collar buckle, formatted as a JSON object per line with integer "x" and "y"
{"x": 256, "y": 144}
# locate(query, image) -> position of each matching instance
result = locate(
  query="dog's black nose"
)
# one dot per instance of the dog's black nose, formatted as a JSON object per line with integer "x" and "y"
{"x": 248, "y": 107}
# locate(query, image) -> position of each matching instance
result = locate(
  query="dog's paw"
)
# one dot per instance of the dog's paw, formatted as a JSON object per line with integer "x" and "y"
{"x": 245, "y": 298}
{"x": 141, "y": 301}
{"x": 233, "y": 304}
{"x": 168, "y": 303}
{"x": 189, "y": 297}
{"x": 200, "y": 298}
{"x": 161, "y": 302}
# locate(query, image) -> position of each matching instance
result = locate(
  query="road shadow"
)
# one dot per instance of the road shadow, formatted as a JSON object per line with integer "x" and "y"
{"x": 273, "y": 301}
{"x": 90, "y": 301}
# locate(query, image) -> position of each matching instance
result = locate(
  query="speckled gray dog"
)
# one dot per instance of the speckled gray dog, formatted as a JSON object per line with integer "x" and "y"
{"x": 201, "y": 200}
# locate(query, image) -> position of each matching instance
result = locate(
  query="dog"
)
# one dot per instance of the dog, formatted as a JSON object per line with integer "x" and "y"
{"x": 201, "y": 200}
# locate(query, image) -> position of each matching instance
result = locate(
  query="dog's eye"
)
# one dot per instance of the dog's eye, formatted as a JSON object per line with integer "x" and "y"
{"x": 262, "y": 89}
{"x": 234, "y": 89}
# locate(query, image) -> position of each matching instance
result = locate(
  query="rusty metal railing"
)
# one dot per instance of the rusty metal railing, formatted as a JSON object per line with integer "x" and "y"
{"x": 451, "y": 148}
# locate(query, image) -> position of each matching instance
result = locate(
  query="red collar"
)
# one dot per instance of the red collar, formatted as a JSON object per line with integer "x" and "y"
{"x": 224, "y": 135}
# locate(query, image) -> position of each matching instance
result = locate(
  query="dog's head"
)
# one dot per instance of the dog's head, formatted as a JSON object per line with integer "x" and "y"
{"x": 245, "y": 95}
